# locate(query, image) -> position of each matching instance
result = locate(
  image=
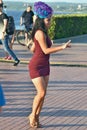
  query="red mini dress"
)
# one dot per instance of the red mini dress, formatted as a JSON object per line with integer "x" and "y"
{"x": 39, "y": 64}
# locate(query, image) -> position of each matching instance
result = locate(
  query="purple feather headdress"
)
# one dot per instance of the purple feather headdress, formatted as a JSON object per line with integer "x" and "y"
{"x": 42, "y": 10}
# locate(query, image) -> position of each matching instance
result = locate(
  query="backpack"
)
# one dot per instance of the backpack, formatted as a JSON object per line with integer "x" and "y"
{"x": 10, "y": 26}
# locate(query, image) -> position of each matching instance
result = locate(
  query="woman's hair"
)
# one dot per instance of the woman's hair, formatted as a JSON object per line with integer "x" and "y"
{"x": 39, "y": 25}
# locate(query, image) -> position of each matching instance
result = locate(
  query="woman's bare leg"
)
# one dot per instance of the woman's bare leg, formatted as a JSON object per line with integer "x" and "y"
{"x": 40, "y": 85}
{"x": 46, "y": 79}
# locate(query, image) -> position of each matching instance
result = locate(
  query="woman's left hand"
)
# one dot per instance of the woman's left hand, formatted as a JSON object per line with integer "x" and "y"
{"x": 67, "y": 44}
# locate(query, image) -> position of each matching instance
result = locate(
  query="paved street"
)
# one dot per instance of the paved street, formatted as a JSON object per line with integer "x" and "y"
{"x": 65, "y": 106}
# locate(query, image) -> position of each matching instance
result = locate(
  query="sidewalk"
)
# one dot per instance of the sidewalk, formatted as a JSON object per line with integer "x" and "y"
{"x": 75, "y": 56}
{"x": 65, "y": 106}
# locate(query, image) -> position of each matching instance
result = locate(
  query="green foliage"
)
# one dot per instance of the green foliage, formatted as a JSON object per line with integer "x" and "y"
{"x": 52, "y": 28}
{"x": 68, "y": 25}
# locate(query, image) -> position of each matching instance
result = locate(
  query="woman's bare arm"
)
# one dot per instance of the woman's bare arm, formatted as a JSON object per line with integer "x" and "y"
{"x": 41, "y": 38}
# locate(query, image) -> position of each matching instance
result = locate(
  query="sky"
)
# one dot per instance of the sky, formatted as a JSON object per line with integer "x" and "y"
{"x": 74, "y": 1}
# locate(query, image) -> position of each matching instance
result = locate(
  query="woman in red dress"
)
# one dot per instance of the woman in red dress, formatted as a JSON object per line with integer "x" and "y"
{"x": 39, "y": 68}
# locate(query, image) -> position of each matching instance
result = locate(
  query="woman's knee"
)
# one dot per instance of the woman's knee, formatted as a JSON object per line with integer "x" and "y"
{"x": 42, "y": 94}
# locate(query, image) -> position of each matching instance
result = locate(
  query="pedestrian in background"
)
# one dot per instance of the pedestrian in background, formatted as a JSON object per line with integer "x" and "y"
{"x": 27, "y": 20}
{"x": 4, "y": 37}
{"x": 11, "y": 40}
{"x": 39, "y": 67}
{"x": 11, "y": 37}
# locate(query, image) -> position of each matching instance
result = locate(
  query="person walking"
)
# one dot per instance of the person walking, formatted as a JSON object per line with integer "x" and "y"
{"x": 4, "y": 37}
{"x": 27, "y": 20}
{"x": 39, "y": 68}
{"x": 11, "y": 35}
{"x": 11, "y": 39}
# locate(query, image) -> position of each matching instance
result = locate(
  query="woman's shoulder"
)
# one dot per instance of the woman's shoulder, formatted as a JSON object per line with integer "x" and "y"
{"x": 39, "y": 34}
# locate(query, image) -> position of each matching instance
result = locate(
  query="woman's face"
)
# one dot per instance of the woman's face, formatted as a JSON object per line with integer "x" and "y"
{"x": 47, "y": 22}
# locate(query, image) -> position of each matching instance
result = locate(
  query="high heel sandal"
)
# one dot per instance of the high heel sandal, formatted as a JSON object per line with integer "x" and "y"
{"x": 38, "y": 123}
{"x": 32, "y": 121}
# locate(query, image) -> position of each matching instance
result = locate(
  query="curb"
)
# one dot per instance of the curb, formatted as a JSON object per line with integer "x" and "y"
{"x": 67, "y": 64}
{"x": 76, "y": 39}
{"x": 51, "y": 63}
{"x": 12, "y": 61}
